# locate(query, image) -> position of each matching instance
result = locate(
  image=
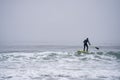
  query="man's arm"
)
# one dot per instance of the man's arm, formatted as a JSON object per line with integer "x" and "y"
{"x": 89, "y": 42}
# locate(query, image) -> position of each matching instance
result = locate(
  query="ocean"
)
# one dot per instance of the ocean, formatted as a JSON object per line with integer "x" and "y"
{"x": 59, "y": 63}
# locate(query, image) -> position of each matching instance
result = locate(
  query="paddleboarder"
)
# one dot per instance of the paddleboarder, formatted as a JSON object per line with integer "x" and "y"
{"x": 86, "y": 42}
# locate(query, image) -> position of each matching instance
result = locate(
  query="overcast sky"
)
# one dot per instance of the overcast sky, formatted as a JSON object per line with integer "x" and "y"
{"x": 59, "y": 22}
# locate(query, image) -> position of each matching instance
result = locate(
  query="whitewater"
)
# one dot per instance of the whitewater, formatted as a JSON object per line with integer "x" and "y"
{"x": 59, "y": 63}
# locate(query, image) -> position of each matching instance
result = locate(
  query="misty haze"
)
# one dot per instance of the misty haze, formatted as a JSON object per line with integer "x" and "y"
{"x": 59, "y": 40}
{"x": 61, "y": 22}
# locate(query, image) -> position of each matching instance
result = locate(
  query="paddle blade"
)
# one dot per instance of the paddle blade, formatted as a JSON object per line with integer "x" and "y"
{"x": 97, "y": 48}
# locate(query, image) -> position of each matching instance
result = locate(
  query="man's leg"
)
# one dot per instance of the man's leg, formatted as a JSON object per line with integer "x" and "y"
{"x": 87, "y": 48}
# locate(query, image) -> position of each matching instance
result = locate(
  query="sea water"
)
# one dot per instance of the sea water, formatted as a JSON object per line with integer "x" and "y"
{"x": 59, "y": 63}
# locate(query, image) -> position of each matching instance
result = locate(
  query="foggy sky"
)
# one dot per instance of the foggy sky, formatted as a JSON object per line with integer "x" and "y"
{"x": 59, "y": 22}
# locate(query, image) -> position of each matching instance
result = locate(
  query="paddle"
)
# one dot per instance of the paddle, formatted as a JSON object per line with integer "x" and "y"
{"x": 97, "y": 48}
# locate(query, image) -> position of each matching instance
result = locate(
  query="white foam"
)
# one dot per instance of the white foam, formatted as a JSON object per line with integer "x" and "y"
{"x": 58, "y": 66}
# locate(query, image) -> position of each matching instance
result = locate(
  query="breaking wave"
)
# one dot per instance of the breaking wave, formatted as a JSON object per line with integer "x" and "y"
{"x": 51, "y": 65}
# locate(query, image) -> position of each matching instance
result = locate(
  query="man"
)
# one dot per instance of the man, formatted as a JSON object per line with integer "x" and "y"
{"x": 86, "y": 42}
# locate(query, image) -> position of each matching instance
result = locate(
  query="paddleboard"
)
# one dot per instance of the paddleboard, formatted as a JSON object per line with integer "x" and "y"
{"x": 80, "y": 51}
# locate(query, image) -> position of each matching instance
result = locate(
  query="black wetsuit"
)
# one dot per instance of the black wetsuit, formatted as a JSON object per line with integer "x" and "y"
{"x": 85, "y": 44}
